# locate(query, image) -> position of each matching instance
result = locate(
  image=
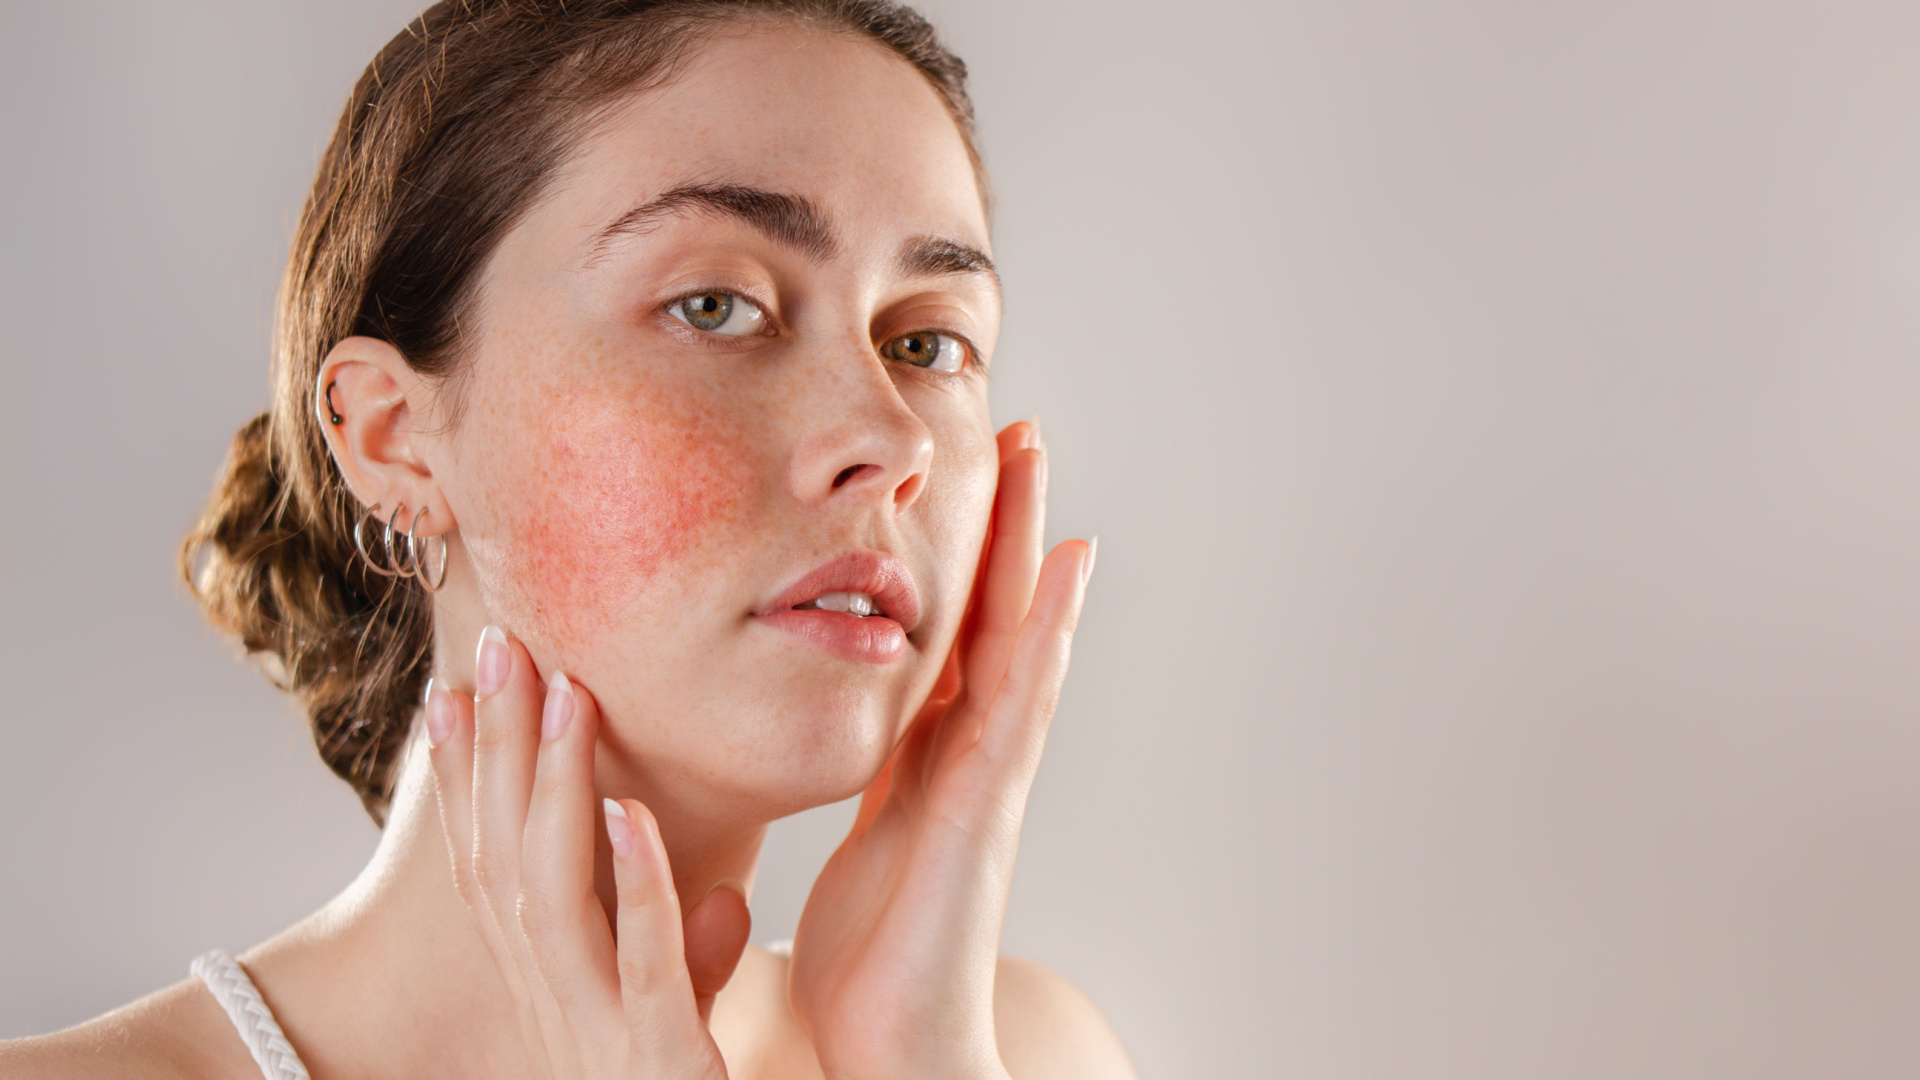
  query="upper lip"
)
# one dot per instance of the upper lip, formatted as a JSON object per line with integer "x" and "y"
{"x": 885, "y": 579}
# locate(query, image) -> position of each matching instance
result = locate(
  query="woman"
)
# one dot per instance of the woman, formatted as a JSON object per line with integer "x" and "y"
{"x": 629, "y": 485}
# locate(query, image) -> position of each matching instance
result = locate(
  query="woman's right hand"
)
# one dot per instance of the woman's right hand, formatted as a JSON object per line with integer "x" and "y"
{"x": 514, "y": 769}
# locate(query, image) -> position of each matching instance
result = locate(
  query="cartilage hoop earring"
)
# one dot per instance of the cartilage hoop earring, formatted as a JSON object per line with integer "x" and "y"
{"x": 417, "y": 555}
{"x": 393, "y": 558}
{"x": 333, "y": 414}
{"x": 360, "y": 543}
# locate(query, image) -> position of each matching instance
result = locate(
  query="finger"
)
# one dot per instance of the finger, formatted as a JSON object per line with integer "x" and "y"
{"x": 1013, "y": 565}
{"x": 506, "y": 733}
{"x": 450, "y": 743}
{"x": 655, "y": 988}
{"x": 716, "y": 933}
{"x": 1004, "y": 594}
{"x": 1019, "y": 435}
{"x": 560, "y": 914}
{"x": 1017, "y": 721}
{"x": 1015, "y": 437}
{"x": 450, "y": 733}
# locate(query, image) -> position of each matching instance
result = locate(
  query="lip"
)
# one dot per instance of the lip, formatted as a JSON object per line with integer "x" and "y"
{"x": 877, "y": 638}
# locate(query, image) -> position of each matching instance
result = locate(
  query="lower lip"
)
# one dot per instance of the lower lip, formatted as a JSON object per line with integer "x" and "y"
{"x": 875, "y": 639}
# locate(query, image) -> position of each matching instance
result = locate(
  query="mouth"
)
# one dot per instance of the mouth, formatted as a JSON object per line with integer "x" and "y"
{"x": 860, "y": 606}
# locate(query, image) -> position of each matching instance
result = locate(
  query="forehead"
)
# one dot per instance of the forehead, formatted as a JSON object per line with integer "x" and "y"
{"x": 831, "y": 117}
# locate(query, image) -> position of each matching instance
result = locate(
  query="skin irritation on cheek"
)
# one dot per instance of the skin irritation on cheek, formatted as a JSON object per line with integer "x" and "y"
{"x": 625, "y": 487}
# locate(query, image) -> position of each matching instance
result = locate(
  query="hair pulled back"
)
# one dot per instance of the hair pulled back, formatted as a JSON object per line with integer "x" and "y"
{"x": 448, "y": 136}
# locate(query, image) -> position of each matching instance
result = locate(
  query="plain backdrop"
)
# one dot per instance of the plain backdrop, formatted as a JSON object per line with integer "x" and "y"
{"x": 1502, "y": 424}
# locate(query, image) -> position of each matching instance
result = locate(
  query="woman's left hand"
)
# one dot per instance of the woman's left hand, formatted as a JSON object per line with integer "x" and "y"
{"x": 895, "y": 955}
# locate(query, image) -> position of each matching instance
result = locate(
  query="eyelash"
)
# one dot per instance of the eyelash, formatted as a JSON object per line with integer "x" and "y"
{"x": 970, "y": 363}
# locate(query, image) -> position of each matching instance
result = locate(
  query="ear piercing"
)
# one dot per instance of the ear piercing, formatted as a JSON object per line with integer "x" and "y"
{"x": 360, "y": 544}
{"x": 407, "y": 554}
{"x": 333, "y": 414}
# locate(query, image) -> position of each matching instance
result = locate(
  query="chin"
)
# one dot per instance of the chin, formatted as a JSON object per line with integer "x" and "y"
{"x": 753, "y": 760}
{"x": 821, "y": 753}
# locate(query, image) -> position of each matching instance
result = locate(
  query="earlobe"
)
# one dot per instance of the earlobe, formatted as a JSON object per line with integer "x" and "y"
{"x": 369, "y": 404}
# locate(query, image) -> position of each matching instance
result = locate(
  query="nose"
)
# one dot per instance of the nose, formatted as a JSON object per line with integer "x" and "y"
{"x": 859, "y": 437}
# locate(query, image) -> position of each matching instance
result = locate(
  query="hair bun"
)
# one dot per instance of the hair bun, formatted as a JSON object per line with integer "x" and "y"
{"x": 279, "y": 574}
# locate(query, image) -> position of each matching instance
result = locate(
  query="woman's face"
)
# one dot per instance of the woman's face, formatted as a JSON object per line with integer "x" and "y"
{"x": 730, "y": 376}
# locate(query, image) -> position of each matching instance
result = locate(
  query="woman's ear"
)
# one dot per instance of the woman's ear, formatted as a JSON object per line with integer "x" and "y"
{"x": 370, "y": 403}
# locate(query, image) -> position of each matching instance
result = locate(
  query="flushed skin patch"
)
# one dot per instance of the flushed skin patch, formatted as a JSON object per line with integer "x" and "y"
{"x": 631, "y": 487}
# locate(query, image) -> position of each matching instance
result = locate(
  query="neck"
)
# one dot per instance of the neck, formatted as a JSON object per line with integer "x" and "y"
{"x": 395, "y": 967}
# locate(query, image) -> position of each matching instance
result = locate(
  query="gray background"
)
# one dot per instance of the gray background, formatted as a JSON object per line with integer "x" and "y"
{"x": 1500, "y": 420}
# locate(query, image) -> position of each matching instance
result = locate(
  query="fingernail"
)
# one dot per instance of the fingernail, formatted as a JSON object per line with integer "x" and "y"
{"x": 491, "y": 666}
{"x": 439, "y": 713}
{"x": 619, "y": 828}
{"x": 558, "y": 711}
{"x": 1086, "y": 571}
{"x": 1033, "y": 433}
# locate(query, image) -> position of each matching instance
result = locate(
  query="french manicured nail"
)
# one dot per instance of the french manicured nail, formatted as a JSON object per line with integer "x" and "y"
{"x": 490, "y": 667}
{"x": 557, "y": 713}
{"x": 1086, "y": 571}
{"x": 619, "y": 828}
{"x": 439, "y": 713}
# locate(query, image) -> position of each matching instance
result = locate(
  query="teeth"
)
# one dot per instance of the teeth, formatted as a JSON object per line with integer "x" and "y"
{"x": 852, "y": 603}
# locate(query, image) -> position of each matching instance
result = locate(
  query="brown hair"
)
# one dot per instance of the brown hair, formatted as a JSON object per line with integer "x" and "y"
{"x": 447, "y": 138}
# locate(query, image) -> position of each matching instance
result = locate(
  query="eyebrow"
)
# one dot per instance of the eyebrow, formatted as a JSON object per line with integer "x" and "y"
{"x": 793, "y": 221}
{"x": 931, "y": 256}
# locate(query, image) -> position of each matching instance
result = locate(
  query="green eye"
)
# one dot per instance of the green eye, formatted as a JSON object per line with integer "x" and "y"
{"x": 719, "y": 313}
{"x": 927, "y": 349}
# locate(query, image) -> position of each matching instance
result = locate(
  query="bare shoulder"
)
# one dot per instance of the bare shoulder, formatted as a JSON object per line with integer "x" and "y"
{"x": 177, "y": 1032}
{"x": 1047, "y": 1028}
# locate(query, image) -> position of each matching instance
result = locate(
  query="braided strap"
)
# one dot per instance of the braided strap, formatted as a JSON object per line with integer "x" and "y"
{"x": 250, "y": 1015}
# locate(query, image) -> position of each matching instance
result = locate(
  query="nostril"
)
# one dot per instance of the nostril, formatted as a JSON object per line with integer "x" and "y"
{"x": 847, "y": 474}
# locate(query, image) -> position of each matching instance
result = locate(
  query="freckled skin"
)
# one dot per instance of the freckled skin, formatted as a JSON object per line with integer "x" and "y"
{"x": 628, "y": 491}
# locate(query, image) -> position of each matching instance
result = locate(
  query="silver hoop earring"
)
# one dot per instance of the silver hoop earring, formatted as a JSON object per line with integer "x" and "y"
{"x": 360, "y": 543}
{"x": 393, "y": 558}
{"x": 417, "y": 556}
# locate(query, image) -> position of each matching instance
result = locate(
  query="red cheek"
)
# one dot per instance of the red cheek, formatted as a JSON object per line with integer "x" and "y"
{"x": 626, "y": 491}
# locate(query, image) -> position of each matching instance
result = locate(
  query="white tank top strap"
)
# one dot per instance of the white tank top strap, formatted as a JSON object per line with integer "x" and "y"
{"x": 250, "y": 1015}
